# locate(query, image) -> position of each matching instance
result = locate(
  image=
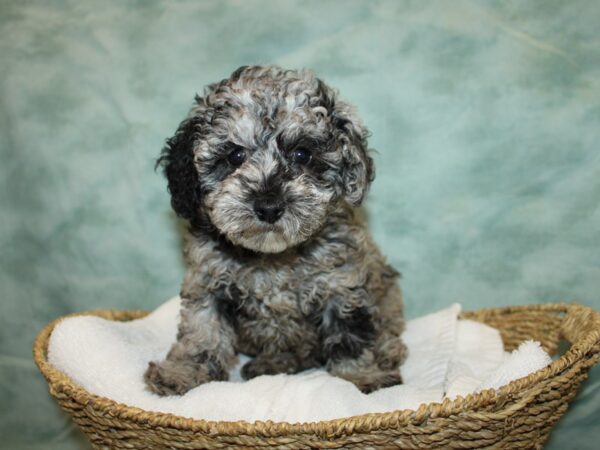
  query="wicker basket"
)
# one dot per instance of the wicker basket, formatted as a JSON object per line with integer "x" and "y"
{"x": 519, "y": 415}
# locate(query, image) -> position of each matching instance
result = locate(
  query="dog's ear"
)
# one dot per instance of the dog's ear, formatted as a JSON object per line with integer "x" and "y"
{"x": 357, "y": 169}
{"x": 177, "y": 161}
{"x": 357, "y": 166}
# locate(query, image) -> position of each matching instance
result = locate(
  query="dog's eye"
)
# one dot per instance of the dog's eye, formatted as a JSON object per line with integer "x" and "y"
{"x": 237, "y": 156}
{"x": 301, "y": 156}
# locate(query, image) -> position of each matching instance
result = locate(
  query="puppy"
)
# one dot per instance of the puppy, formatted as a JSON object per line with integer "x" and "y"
{"x": 269, "y": 169}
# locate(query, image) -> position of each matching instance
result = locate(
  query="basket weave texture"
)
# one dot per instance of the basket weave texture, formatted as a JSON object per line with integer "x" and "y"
{"x": 519, "y": 415}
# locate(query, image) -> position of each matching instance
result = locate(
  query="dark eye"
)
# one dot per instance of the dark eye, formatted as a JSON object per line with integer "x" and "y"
{"x": 301, "y": 156}
{"x": 236, "y": 157}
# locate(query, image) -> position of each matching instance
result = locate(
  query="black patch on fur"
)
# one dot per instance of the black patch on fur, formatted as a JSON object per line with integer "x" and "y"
{"x": 228, "y": 304}
{"x": 177, "y": 161}
{"x": 345, "y": 337}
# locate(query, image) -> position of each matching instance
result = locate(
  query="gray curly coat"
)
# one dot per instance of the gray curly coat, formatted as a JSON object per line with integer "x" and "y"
{"x": 269, "y": 169}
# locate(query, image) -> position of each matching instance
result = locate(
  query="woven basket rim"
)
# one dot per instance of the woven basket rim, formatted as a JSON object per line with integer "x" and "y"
{"x": 581, "y": 349}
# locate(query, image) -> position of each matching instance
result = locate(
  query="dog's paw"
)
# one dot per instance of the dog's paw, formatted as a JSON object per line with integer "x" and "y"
{"x": 392, "y": 355}
{"x": 382, "y": 380}
{"x": 174, "y": 377}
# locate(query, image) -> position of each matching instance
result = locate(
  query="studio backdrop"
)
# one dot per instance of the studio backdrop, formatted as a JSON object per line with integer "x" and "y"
{"x": 485, "y": 129}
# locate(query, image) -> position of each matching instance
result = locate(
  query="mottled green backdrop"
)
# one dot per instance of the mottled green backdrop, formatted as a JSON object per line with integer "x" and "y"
{"x": 485, "y": 116}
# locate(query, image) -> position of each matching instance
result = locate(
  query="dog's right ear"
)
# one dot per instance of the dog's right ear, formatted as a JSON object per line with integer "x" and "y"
{"x": 177, "y": 161}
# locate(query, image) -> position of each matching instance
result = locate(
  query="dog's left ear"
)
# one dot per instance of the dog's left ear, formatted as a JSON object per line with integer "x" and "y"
{"x": 357, "y": 171}
{"x": 357, "y": 166}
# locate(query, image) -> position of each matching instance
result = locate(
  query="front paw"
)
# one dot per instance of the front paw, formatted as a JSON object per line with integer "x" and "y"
{"x": 391, "y": 355}
{"x": 382, "y": 380}
{"x": 176, "y": 377}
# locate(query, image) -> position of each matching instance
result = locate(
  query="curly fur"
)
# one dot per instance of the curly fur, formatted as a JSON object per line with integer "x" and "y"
{"x": 305, "y": 290}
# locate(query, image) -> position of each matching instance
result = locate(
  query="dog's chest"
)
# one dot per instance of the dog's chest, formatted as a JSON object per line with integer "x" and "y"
{"x": 273, "y": 310}
{"x": 270, "y": 294}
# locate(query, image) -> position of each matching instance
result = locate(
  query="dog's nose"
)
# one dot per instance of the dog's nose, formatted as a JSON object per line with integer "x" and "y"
{"x": 269, "y": 211}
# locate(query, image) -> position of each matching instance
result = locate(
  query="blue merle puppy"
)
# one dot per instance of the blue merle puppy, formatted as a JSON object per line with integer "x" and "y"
{"x": 269, "y": 169}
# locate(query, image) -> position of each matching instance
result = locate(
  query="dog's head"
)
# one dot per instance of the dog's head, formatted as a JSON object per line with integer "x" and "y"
{"x": 265, "y": 155}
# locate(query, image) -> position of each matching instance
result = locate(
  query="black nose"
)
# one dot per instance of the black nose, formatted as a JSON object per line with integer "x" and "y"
{"x": 269, "y": 211}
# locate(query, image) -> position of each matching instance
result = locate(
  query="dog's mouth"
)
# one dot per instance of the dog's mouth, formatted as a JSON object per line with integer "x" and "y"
{"x": 264, "y": 239}
{"x": 259, "y": 230}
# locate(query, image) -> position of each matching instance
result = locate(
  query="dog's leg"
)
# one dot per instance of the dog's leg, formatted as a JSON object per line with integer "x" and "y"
{"x": 349, "y": 341}
{"x": 390, "y": 350}
{"x": 204, "y": 350}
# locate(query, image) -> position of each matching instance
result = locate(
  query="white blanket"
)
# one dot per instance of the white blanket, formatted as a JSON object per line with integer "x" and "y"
{"x": 447, "y": 357}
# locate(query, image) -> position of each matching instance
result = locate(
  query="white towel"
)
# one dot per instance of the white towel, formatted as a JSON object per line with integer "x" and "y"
{"x": 480, "y": 362}
{"x": 526, "y": 359}
{"x": 109, "y": 358}
{"x": 478, "y": 351}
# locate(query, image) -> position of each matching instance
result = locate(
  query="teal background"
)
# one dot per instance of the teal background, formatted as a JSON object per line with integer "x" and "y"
{"x": 485, "y": 116}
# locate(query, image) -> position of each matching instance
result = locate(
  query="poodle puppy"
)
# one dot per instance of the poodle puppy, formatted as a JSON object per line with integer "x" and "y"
{"x": 269, "y": 168}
